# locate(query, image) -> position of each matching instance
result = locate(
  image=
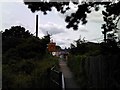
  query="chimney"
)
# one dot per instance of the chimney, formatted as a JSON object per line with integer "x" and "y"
{"x": 36, "y": 25}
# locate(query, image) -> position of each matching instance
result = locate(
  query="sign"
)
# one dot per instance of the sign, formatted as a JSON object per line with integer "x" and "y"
{"x": 52, "y": 47}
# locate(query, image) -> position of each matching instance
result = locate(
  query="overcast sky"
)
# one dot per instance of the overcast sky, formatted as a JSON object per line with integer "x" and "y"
{"x": 16, "y": 13}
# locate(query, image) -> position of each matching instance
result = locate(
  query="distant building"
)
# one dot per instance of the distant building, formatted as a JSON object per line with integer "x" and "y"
{"x": 63, "y": 54}
{"x": 57, "y": 51}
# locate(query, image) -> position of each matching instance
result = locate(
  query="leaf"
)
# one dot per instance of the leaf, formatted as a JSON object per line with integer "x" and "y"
{"x": 105, "y": 19}
{"x": 104, "y": 13}
{"x": 67, "y": 19}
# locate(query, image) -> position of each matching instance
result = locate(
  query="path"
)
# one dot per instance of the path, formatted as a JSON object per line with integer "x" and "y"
{"x": 69, "y": 81}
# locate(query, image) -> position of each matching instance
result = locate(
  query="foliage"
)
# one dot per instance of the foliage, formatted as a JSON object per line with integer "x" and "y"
{"x": 80, "y": 15}
{"x": 77, "y": 66}
{"x": 13, "y": 37}
{"x": 82, "y": 47}
{"x": 93, "y": 64}
{"x": 96, "y": 71}
{"x": 25, "y": 59}
{"x": 27, "y": 73}
{"x": 20, "y": 44}
{"x": 111, "y": 18}
{"x": 110, "y": 47}
{"x": 111, "y": 14}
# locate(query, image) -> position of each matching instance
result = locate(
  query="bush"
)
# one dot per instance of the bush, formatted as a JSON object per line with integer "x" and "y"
{"x": 25, "y": 59}
{"x": 28, "y": 73}
{"x": 77, "y": 65}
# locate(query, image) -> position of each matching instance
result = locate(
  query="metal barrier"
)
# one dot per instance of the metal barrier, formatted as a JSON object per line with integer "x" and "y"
{"x": 56, "y": 77}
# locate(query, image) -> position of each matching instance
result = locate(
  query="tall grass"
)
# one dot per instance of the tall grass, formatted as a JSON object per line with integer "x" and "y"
{"x": 28, "y": 73}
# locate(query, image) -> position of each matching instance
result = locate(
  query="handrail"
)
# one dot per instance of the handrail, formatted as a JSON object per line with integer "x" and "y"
{"x": 61, "y": 81}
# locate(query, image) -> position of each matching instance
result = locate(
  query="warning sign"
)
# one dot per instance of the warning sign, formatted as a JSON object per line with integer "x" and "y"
{"x": 52, "y": 47}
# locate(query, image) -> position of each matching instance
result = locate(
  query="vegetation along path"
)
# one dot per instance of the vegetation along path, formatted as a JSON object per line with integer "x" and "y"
{"x": 69, "y": 81}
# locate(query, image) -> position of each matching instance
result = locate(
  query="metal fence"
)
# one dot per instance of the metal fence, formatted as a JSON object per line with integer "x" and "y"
{"x": 56, "y": 78}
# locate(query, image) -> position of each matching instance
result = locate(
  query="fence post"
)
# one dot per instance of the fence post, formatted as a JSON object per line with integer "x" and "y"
{"x": 60, "y": 80}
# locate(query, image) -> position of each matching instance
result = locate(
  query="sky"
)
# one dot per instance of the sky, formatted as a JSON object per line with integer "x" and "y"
{"x": 17, "y": 13}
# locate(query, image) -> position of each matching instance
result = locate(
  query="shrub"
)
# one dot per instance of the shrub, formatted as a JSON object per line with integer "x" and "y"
{"x": 28, "y": 73}
{"x": 77, "y": 65}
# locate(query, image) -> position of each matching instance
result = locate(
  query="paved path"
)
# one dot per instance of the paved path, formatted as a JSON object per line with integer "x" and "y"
{"x": 69, "y": 81}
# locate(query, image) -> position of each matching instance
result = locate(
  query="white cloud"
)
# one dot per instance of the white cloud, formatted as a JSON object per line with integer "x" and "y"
{"x": 11, "y": 0}
{"x": 73, "y": 9}
{"x": 51, "y": 28}
{"x": 96, "y": 16}
{"x": 66, "y": 38}
{"x": 52, "y": 23}
{"x": 119, "y": 29}
{"x": 16, "y": 13}
{"x": 60, "y": 34}
{"x": 119, "y": 24}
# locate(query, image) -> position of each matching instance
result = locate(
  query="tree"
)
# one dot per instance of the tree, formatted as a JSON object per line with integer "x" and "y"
{"x": 80, "y": 47}
{"x": 19, "y": 43}
{"x": 14, "y": 36}
{"x": 17, "y": 32}
{"x": 112, "y": 10}
{"x": 111, "y": 17}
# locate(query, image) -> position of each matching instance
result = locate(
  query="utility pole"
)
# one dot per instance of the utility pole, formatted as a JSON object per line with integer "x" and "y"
{"x": 36, "y": 25}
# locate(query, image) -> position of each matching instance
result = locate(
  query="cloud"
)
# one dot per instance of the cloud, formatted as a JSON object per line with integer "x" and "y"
{"x": 73, "y": 9}
{"x": 96, "y": 16}
{"x": 119, "y": 30}
{"x": 52, "y": 28}
{"x": 11, "y": 0}
{"x": 60, "y": 42}
{"x": 11, "y": 16}
{"x": 119, "y": 24}
{"x": 66, "y": 38}
{"x": 60, "y": 34}
{"x": 82, "y": 28}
